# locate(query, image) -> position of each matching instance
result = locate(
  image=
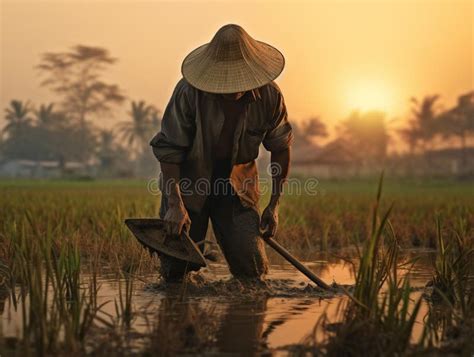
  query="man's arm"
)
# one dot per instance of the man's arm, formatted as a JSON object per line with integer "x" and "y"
{"x": 280, "y": 164}
{"x": 277, "y": 141}
{"x": 176, "y": 217}
{"x": 170, "y": 147}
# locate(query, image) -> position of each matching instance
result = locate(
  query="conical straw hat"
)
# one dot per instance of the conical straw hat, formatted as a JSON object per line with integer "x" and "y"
{"x": 232, "y": 62}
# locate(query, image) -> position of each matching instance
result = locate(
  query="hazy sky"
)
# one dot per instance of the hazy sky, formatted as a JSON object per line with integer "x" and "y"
{"x": 339, "y": 54}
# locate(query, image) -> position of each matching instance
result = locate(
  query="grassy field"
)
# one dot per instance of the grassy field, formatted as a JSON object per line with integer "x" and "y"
{"x": 51, "y": 232}
{"x": 338, "y": 215}
{"x": 335, "y": 217}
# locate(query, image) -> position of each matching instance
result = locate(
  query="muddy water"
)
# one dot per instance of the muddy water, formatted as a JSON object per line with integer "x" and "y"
{"x": 227, "y": 317}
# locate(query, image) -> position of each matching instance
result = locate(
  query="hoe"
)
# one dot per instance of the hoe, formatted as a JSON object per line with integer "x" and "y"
{"x": 150, "y": 232}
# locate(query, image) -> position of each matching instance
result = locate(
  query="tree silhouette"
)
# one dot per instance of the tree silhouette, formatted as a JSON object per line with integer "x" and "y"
{"x": 76, "y": 77}
{"x": 106, "y": 150}
{"x": 45, "y": 115}
{"x": 52, "y": 135}
{"x": 410, "y": 134}
{"x": 366, "y": 134}
{"x": 137, "y": 132}
{"x": 18, "y": 119}
{"x": 18, "y": 131}
{"x": 422, "y": 125}
{"x": 305, "y": 131}
{"x": 314, "y": 127}
{"x": 459, "y": 121}
{"x": 155, "y": 119}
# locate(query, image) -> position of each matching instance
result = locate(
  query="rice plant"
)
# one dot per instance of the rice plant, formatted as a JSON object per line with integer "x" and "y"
{"x": 379, "y": 316}
{"x": 451, "y": 312}
{"x": 59, "y": 239}
{"x": 126, "y": 280}
{"x": 454, "y": 267}
{"x": 57, "y": 310}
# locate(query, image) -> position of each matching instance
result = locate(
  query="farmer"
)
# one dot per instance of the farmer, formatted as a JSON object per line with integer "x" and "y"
{"x": 220, "y": 112}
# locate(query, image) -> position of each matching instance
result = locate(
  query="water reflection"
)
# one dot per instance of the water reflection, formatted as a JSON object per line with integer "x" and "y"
{"x": 172, "y": 321}
{"x": 4, "y": 293}
{"x": 232, "y": 326}
{"x": 241, "y": 329}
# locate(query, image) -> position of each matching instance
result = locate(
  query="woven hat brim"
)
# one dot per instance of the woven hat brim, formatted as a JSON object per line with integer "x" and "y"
{"x": 256, "y": 69}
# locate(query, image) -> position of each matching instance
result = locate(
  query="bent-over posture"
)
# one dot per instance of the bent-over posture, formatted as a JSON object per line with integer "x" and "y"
{"x": 220, "y": 113}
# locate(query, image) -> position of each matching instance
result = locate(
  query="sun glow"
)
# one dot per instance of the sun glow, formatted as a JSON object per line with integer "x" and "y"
{"x": 369, "y": 95}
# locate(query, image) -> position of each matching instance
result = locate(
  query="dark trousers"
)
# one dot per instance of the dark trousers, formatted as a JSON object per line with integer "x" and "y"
{"x": 235, "y": 226}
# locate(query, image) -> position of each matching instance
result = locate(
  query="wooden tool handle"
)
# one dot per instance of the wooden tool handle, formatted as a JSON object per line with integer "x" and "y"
{"x": 295, "y": 262}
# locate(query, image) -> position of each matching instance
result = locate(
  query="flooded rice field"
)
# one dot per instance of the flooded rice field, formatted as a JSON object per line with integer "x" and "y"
{"x": 74, "y": 280}
{"x": 212, "y": 312}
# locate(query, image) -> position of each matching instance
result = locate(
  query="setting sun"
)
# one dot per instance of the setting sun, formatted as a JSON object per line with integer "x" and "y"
{"x": 369, "y": 95}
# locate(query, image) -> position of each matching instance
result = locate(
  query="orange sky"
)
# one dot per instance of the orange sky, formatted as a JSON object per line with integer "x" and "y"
{"x": 339, "y": 54}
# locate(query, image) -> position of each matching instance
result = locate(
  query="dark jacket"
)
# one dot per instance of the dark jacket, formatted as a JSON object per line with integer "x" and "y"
{"x": 191, "y": 127}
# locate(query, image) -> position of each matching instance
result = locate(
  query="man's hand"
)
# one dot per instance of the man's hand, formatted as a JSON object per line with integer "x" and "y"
{"x": 280, "y": 162}
{"x": 176, "y": 218}
{"x": 269, "y": 221}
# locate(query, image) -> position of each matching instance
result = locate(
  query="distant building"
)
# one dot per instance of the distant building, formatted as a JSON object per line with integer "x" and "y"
{"x": 450, "y": 161}
{"x": 45, "y": 169}
{"x": 333, "y": 160}
{"x": 339, "y": 160}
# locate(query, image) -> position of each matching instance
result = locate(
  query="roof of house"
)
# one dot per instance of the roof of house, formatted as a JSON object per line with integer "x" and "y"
{"x": 336, "y": 152}
{"x": 45, "y": 164}
{"x": 450, "y": 153}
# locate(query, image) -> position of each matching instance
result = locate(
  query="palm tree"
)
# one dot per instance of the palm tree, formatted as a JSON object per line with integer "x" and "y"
{"x": 45, "y": 114}
{"x": 106, "y": 139}
{"x": 137, "y": 131}
{"x": 411, "y": 136}
{"x": 459, "y": 121}
{"x": 106, "y": 150}
{"x": 423, "y": 122}
{"x": 306, "y": 131}
{"x": 156, "y": 119}
{"x": 314, "y": 127}
{"x": 17, "y": 117}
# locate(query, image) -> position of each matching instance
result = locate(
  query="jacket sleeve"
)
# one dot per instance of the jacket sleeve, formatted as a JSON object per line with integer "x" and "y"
{"x": 176, "y": 137}
{"x": 280, "y": 135}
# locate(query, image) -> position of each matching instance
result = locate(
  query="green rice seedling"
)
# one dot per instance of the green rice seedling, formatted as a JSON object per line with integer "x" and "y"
{"x": 379, "y": 316}
{"x": 28, "y": 271}
{"x": 454, "y": 267}
{"x": 76, "y": 303}
{"x": 127, "y": 270}
{"x": 61, "y": 274}
{"x": 451, "y": 314}
{"x": 449, "y": 329}
{"x": 57, "y": 311}
{"x": 124, "y": 307}
{"x": 373, "y": 269}
{"x": 337, "y": 214}
{"x": 5, "y": 288}
{"x": 94, "y": 270}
